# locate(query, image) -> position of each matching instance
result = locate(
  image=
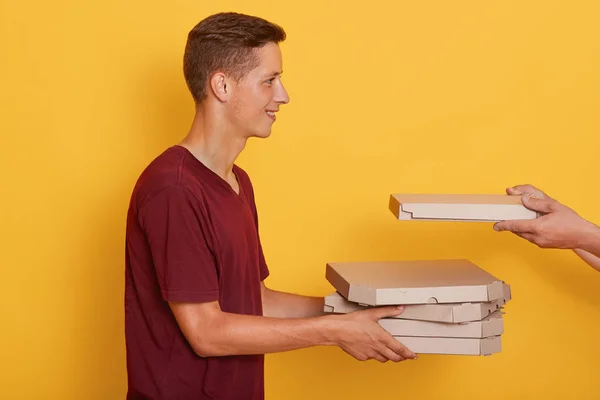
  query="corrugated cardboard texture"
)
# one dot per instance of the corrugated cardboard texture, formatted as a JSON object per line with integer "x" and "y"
{"x": 459, "y": 207}
{"x": 413, "y": 282}
{"x": 449, "y": 313}
{"x": 452, "y": 346}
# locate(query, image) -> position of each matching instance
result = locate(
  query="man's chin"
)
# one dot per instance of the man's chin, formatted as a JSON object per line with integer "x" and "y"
{"x": 261, "y": 135}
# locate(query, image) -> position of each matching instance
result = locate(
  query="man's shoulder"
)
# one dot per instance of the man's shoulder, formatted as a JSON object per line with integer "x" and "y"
{"x": 169, "y": 171}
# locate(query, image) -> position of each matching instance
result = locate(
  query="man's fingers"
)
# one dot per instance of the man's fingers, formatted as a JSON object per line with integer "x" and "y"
{"x": 380, "y": 358}
{"x": 387, "y": 311}
{"x": 390, "y": 355}
{"x": 400, "y": 349}
{"x": 515, "y": 226}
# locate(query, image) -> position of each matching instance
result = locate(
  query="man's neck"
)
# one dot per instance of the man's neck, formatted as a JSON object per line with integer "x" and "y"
{"x": 214, "y": 145}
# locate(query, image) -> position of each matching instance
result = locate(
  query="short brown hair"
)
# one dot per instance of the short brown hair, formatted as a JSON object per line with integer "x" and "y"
{"x": 225, "y": 42}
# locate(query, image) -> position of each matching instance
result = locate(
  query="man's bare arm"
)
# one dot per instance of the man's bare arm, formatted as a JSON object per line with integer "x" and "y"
{"x": 212, "y": 332}
{"x": 289, "y": 305}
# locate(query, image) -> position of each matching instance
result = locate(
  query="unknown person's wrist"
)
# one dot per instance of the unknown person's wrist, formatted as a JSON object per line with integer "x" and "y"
{"x": 589, "y": 237}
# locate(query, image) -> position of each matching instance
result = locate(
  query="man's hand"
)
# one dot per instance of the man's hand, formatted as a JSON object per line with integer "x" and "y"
{"x": 360, "y": 335}
{"x": 560, "y": 227}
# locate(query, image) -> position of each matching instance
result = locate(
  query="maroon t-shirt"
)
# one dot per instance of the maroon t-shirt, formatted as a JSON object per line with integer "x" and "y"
{"x": 190, "y": 238}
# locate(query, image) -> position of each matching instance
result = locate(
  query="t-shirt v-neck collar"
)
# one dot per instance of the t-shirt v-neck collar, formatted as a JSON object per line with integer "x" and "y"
{"x": 214, "y": 175}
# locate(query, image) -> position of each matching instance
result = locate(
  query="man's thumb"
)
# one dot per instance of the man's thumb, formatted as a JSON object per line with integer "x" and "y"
{"x": 387, "y": 311}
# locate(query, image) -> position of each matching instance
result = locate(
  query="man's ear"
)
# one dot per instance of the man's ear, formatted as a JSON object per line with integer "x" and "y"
{"x": 220, "y": 86}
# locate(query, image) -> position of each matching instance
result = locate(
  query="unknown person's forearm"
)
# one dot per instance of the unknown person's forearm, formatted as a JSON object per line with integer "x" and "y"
{"x": 590, "y": 240}
{"x": 589, "y": 258}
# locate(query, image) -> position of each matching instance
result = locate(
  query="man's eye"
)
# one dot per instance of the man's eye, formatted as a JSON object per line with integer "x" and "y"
{"x": 270, "y": 81}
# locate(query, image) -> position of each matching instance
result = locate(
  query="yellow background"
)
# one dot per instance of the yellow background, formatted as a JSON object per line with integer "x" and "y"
{"x": 439, "y": 96}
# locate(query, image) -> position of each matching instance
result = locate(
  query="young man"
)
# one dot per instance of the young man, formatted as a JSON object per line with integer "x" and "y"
{"x": 560, "y": 227}
{"x": 198, "y": 316}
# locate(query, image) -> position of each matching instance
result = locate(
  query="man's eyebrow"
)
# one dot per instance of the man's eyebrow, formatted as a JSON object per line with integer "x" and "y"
{"x": 274, "y": 73}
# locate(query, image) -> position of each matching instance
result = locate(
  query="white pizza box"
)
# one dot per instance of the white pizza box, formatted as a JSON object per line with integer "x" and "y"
{"x": 380, "y": 283}
{"x": 459, "y": 207}
{"x": 452, "y": 346}
{"x": 449, "y": 313}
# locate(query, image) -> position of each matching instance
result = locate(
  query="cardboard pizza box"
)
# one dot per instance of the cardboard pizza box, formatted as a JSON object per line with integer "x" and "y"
{"x": 492, "y": 325}
{"x": 452, "y": 346}
{"x": 449, "y": 313}
{"x": 459, "y": 207}
{"x": 413, "y": 282}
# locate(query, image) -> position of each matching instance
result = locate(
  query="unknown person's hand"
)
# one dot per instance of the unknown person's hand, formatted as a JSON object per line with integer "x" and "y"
{"x": 527, "y": 189}
{"x": 559, "y": 227}
{"x": 361, "y": 336}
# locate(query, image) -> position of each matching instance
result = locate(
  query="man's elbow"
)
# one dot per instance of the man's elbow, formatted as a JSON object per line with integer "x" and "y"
{"x": 205, "y": 348}
{"x": 205, "y": 328}
{"x": 210, "y": 341}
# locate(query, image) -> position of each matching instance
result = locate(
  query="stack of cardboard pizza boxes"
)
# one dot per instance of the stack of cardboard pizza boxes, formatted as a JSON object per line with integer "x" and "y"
{"x": 451, "y": 306}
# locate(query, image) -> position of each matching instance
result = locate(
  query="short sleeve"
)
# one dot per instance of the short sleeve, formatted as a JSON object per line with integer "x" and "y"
{"x": 179, "y": 237}
{"x": 264, "y": 269}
